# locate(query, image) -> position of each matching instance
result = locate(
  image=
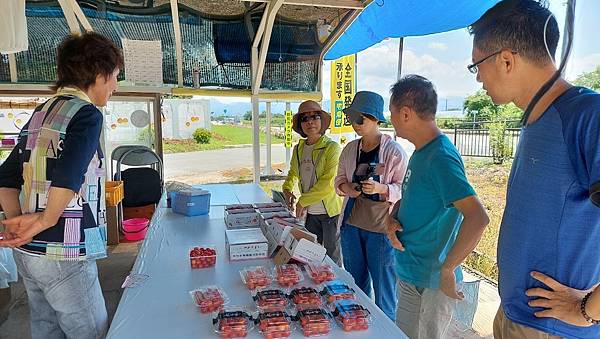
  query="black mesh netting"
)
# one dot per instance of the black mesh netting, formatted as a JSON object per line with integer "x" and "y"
{"x": 219, "y": 49}
{"x": 4, "y": 68}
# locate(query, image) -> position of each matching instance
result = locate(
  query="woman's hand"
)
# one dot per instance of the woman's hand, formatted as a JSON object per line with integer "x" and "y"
{"x": 373, "y": 187}
{"x": 351, "y": 190}
{"x": 290, "y": 198}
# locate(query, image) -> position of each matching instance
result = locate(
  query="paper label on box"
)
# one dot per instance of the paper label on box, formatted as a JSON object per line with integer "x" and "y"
{"x": 248, "y": 251}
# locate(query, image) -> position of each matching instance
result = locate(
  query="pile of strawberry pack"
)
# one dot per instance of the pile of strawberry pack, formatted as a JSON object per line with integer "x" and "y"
{"x": 283, "y": 302}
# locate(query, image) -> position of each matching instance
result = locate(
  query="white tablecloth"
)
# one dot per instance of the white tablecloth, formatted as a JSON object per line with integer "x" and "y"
{"x": 161, "y": 306}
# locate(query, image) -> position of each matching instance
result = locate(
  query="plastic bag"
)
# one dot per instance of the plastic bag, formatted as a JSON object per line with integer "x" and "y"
{"x": 8, "y": 268}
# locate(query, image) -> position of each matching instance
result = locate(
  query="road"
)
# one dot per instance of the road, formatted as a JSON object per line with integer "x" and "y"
{"x": 185, "y": 164}
{"x": 180, "y": 165}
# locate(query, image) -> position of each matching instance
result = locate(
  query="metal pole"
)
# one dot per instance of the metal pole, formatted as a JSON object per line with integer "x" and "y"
{"x": 268, "y": 167}
{"x": 288, "y": 150}
{"x": 399, "y": 75}
{"x": 178, "y": 44}
{"x": 158, "y": 143}
{"x": 400, "y": 52}
{"x": 255, "y": 139}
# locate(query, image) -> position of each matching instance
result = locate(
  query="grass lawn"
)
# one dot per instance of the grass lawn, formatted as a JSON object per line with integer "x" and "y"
{"x": 223, "y": 135}
{"x": 489, "y": 181}
{"x": 237, "y": 135}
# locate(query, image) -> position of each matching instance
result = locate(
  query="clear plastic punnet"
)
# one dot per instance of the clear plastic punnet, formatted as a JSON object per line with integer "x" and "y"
{"x": 274, "y": 324}
{"x": 209, "y": 298}
{"x": 232, "y": 322}
{"x": 337, "y": 290}
{"x": 288, "y": 275}
{"x": 314, "y": 321}
{"x": 271, "y": 299}
{"x": 306, "y": 296}
{"x": 203, "y": 256}
{"x": 351, "y": 316}
{"x": 256, "y": 277}
{"x": 320, "y": 273}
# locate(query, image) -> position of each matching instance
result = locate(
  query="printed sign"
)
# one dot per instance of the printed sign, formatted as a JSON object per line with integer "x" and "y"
{"x": 288, "y": 129}
{"x": 343, "y": 88}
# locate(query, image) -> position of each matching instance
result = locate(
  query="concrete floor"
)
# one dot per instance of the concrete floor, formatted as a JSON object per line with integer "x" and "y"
{"x": 112, "y": 272}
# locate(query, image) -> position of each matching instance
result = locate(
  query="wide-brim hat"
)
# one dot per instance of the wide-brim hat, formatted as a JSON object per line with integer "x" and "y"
{"x": 310, "y": 106}
{"x": 367, "y": 103}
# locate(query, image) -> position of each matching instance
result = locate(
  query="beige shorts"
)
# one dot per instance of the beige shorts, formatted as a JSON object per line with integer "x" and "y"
{"x": 505, "y": 328}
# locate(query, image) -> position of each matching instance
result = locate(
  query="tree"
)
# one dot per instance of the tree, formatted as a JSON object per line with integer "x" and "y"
{"x": 480, "y": 107}
{"x": 589, "y": 79}
{"x": 248, "y": 115}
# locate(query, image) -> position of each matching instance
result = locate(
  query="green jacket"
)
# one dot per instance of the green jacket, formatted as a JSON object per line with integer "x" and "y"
{"x": 326, "y": 169}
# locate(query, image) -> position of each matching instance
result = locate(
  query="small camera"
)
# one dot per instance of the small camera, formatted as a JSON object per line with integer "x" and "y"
{"x": 365, "y": 172}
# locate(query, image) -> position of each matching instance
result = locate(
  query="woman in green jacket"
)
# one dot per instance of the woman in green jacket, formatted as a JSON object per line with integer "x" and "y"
{"x": 314, "y": 164}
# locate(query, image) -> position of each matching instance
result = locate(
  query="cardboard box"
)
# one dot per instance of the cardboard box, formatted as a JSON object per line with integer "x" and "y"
{"x": 279, "y": 229}
{"x": 301, "y": 246}
{"x": 239, "y": 207}
{"x": 273, "y": 245}
{"x": 246, "y": 244}
{"x": 276, "y": 231}
{"x": 272, "y": 210}
{"x": 268, "y": 205}
{"x": 241, "y": 218}
{"x": 265, "y": 218}
{"x": 112, "y": 224}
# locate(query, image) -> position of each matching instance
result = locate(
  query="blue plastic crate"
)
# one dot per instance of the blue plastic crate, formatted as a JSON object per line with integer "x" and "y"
{"x": 191, "y": 202}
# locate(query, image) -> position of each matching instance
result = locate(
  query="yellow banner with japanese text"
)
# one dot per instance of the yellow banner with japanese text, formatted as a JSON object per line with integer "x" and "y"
{"x": 288, "y": 129}
{"x": 343, "y": 88}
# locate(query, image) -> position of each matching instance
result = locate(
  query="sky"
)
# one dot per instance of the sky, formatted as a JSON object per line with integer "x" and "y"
{"x": 443, "y": 57}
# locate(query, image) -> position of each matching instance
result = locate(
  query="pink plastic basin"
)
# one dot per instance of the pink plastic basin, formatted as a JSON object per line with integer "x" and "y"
{"x": 135, "y": 229}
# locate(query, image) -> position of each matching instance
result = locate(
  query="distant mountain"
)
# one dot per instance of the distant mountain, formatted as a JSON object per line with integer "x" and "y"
{"x": 451, "y": 106}
{"x": 230, "y": 109}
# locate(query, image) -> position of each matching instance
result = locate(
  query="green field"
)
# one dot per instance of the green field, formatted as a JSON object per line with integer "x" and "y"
{"x": 223, "y": 136}
{"x": 237, "y": 135}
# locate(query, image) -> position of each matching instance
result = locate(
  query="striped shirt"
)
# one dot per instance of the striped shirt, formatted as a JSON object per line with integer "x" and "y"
{"x": 60, "y": 147}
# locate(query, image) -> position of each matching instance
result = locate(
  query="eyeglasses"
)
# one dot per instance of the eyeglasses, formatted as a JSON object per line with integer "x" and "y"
{"x": 359, "y": 120}
{"x": 307, "y": 118}
{"x": 474, "y": 67}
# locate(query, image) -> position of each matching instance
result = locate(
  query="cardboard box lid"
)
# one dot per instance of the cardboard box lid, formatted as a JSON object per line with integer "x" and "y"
{"x": 285, "y": 253}
{"x": 245, "y": 236}
{"x": 301, "y": 234}
{"x": 241, "y": 211}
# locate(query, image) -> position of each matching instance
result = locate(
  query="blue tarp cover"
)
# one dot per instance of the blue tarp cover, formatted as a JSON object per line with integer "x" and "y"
{"x": 401, "y": 18}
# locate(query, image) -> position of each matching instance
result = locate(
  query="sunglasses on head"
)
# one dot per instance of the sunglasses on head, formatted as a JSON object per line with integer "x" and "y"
{"x": 307, "y": 118}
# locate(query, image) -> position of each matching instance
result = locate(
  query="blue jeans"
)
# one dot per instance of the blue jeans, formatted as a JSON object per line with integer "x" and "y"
{"x": 369, "y": 258}
{"x": 65, "y": 299}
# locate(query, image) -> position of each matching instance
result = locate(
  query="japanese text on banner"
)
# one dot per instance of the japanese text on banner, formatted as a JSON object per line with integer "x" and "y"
{"x": 343, "y": 88}
{"x": 288, "y": 129}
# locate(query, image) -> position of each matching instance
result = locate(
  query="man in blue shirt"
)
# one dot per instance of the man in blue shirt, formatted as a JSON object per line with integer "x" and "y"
{"x": 439, "y": 217}
{"x": 549, "y": 244}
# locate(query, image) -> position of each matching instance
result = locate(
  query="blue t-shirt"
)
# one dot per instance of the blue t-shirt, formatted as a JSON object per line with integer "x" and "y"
{"x": 550, "y": 223}
{"x": 434, "y": 180}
